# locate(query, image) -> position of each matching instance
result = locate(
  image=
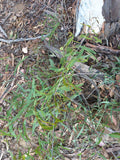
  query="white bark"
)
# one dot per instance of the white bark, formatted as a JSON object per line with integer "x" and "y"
{"x": 89, "y": 13}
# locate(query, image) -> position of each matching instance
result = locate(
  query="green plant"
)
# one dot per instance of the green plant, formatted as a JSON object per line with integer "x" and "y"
{"x": 48, "y": 104}
{"x": 47, "y": 101}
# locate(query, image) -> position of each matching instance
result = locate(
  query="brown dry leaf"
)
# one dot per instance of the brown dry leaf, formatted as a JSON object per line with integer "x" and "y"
{"x": 13, "y": 59}
{"x": 71, "y": 138}
{"x": 2, "y": 89}
{"x": 112, "y": 92}
{"x": 2, "y": 95}
{"x": 67, "y": 158}
{"x": 111, "y": 121}
{"x": 1, "y": 123}
{"x": 43, "y": 51}
{"x": 118, "y": 80}
{"x": 114, "y": 120}
{"x": 102, "y": 86}
{"x": 112, "y": 149}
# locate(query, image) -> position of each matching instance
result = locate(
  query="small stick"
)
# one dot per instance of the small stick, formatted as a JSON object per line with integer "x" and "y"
{"x": 9, "y": 41}
{"x": 4, "y": 21}
{"x": 103, "y": 49}
{"x": 3, "y": 32}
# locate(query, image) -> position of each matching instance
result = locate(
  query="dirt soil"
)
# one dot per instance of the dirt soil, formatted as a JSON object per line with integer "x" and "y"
{"x": 23, "y": 19}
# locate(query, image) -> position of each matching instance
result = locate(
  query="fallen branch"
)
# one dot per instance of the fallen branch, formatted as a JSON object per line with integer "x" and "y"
{"x": 103, "y": 49}
{"x": 9, "y": 41}
{"x": 54, "y": 50}
{"x": 83, "y": 69}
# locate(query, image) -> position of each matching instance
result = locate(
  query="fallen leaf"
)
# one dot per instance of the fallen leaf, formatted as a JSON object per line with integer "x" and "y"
{"x": 112, "y": 149}
{"x": 114, "y": 120}
{"x": 112, "y": 92}
{"x": 2, "y": 89}
{"x": 13, "y": 59}
{"x": 25, "y": 50}
{"x": 118, "y": 80}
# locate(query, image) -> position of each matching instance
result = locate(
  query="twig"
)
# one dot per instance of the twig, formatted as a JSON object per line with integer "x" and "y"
{"x": 54, "y": 50}
{"x": 9, "y": 41}
{"x": 84, "y": 69}
{"x": 8, "y": 89}
{"x": 103, "y": 49}
{"x": 8, "y": 16}
{"x": 3, "y": 32}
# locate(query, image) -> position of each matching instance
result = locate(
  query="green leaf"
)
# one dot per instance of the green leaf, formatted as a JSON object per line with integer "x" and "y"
{"x": 102, "y": 156}
{"x": 29, "y": 113}
{"x": 80, "y": 131}
{"x": 3, "y": 133}
{"x": 22, "y": 111}
{"x": 0, "y": 109}
{"x": 34, "y": 125}
{"x": 33, "y": 88}
{"x": 115, "y": 135}
{"x": 90, "y": 51}
{"x": 98, "y": 140}
{"x": 97, "y": 40}
{"x": 25, "y": 136}
{"x": 69, "y": 41}
{"x": 19, "y": 64}
{"x": 53, "y": 30}
{"x": 12, "y": 131}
